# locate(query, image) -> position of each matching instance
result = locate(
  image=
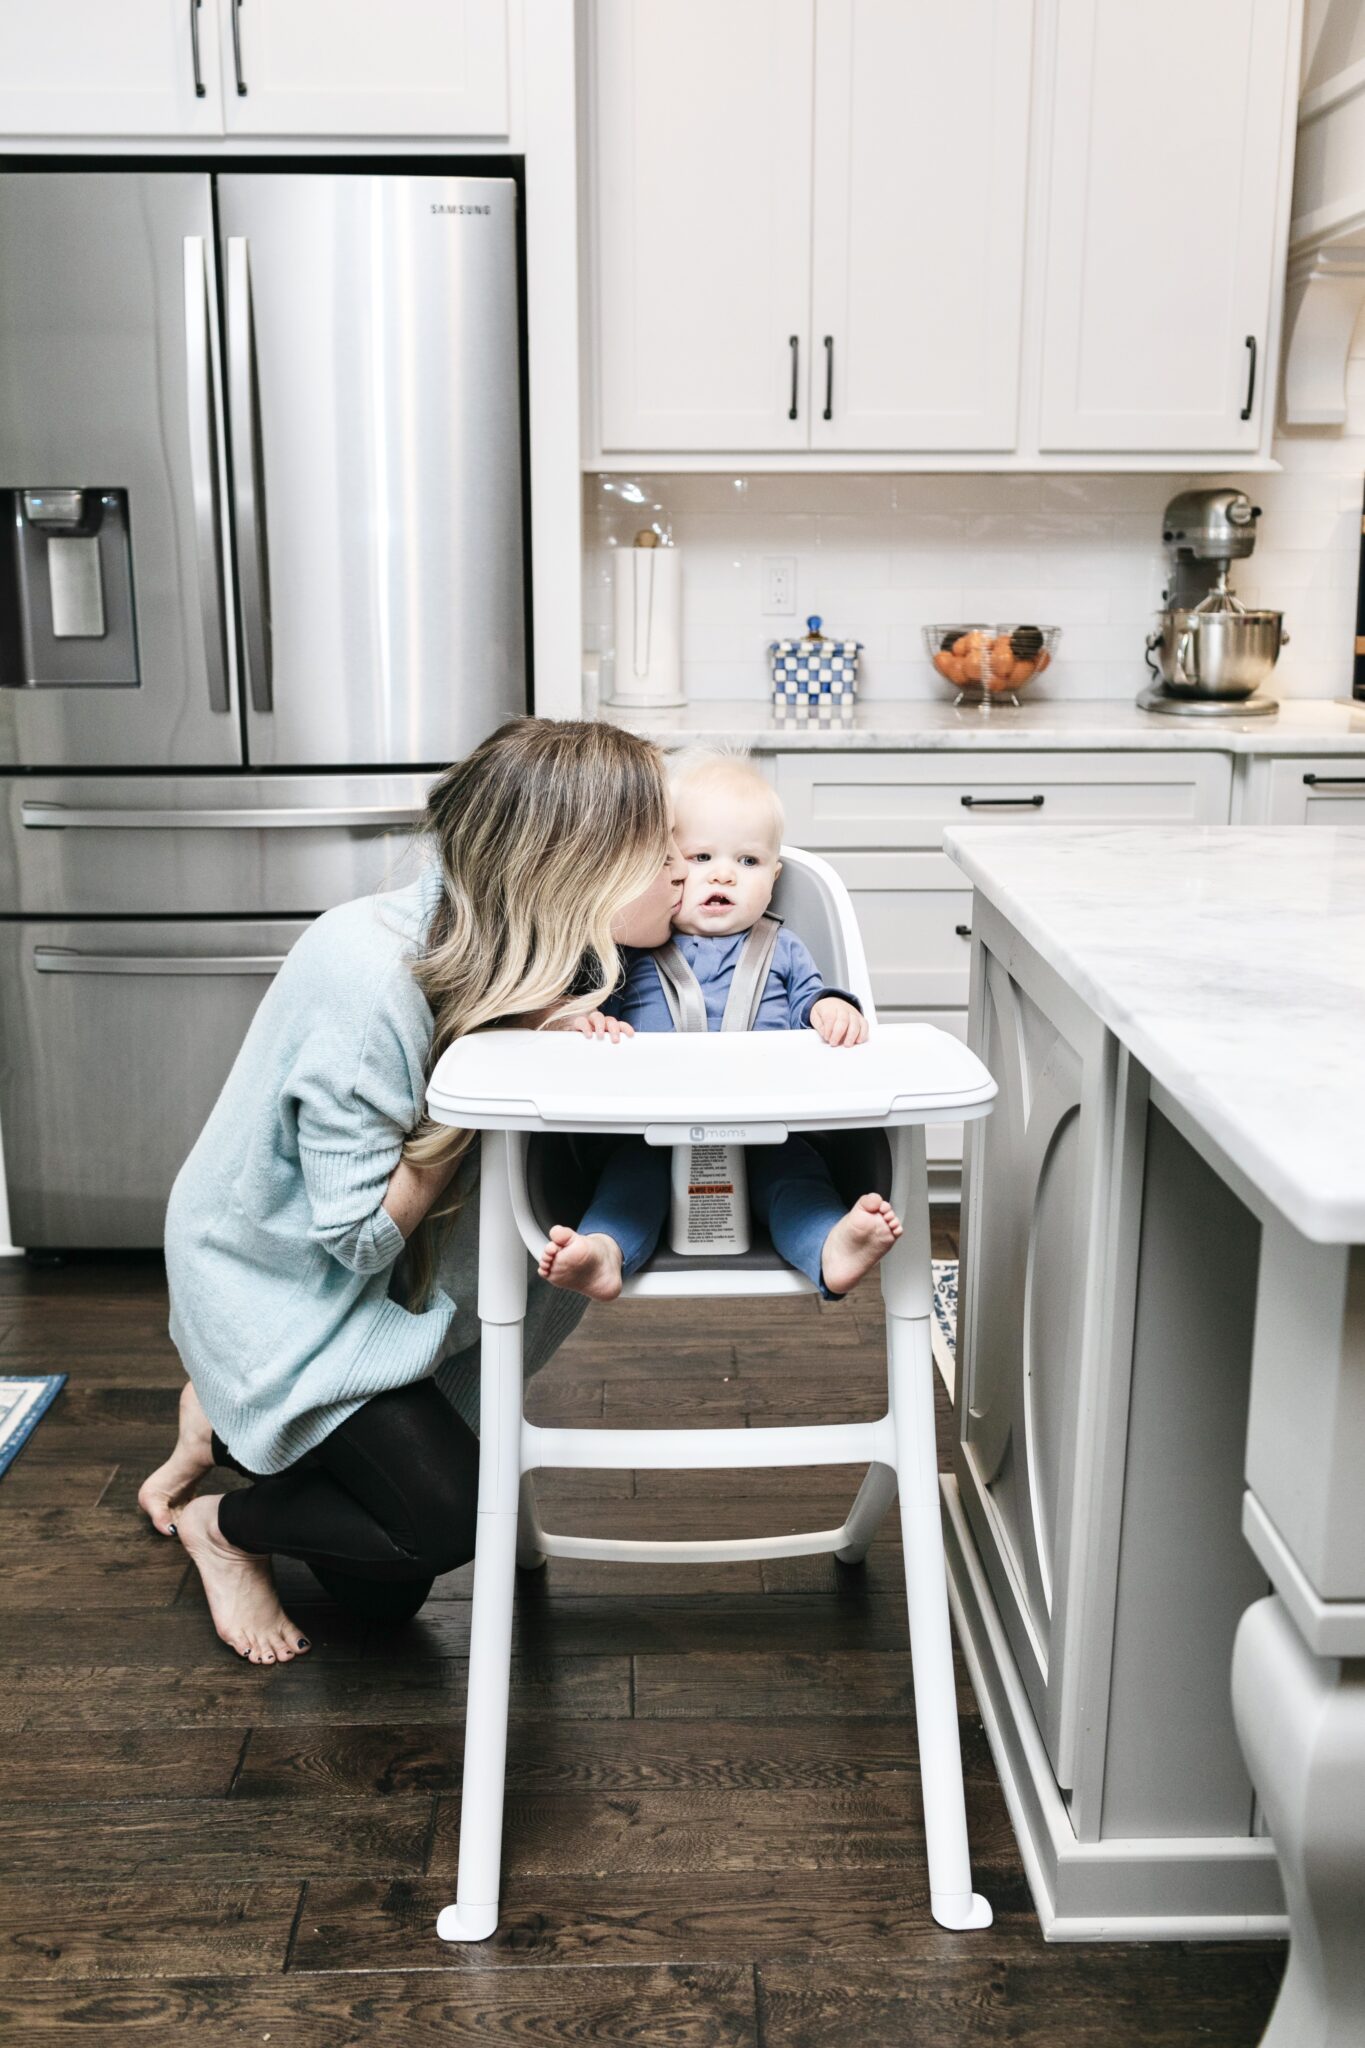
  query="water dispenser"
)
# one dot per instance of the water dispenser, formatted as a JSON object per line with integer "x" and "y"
{"x": 66, "y": 590}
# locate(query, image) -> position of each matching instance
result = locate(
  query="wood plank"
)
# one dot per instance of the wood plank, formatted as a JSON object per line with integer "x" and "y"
{"x": 608, "y": 1756}
{"x": 182, "y": 1636}
{"x": 90, "y": 1557}
{"x": 762, "y": 1916}
{"x": 34, "y": 1482}
{"x": 729, "y": 1400}
{"x": 161, "y": 1925}
{"x": 877, "y": 1826}
{"x": 131, "y": 1763}
{"x": 199, "y": 1840}
{"x": 694, "y": 2006}
{"x": 145, "y": 1362}
{"x": 556, "y": 1624}
{"x": 1162, "y": 1996}
{"x": 735, "y": 1685}
{"x": 43, "y": 1696}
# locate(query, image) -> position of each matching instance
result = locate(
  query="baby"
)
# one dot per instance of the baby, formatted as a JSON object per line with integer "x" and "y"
{"x": 729, "y": 829}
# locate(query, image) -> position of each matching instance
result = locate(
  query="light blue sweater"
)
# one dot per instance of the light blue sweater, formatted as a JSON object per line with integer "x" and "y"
{"x": 278, "y": 1250}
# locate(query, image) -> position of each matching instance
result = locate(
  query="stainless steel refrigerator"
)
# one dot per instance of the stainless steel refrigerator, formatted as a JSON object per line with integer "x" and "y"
{"x": 261, "y": 574}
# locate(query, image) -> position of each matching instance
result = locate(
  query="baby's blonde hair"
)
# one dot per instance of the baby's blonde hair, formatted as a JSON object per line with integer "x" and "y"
{"x": 732, "y": 767}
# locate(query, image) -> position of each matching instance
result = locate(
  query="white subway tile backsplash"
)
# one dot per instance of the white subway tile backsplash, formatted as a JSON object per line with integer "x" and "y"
{"x": 879, "y": 557}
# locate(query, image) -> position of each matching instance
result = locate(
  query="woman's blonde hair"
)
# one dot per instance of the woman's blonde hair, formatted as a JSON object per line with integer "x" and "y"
{"x": 544, "y": 833}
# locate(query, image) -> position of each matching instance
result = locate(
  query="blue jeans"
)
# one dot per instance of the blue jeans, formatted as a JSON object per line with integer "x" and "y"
{"x": 790, "y": 1193}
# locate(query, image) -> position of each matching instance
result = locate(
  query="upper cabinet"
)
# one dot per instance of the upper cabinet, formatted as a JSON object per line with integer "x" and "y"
{"x": 921, "y": 163}
{"x": 1168, "y": 160}
{"x": 89, "y": 67}
{"x": 703, "y": 193}
{"x": 213, "y": 68}
{"x": 997, "y": 233}
{"x": 348, "y": 67}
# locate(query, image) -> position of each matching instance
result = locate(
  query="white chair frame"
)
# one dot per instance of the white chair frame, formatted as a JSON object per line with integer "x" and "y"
{"x": 897, "y": 1450}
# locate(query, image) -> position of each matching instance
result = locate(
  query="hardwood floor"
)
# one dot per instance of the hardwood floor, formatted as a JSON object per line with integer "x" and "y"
{"x": 713, "y": 1816}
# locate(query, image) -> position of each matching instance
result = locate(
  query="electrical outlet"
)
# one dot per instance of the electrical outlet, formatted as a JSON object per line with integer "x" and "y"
{"x": 779, "y": 585}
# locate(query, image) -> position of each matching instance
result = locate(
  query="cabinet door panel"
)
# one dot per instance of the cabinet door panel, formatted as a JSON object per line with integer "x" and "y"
{"x": 87, "y": 67}
{"x": 347, "y": 67}
{"x": 1322, "y": 792}
{"x": 703, "y": 172}
{"x": 1166, "y": 162}
{"x": 921, "y": 163}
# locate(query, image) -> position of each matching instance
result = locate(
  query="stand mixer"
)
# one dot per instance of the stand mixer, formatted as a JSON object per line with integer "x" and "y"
{"x": 1209, "y": 655}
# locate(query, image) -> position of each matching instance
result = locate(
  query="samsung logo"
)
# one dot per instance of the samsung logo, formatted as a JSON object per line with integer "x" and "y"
{"x": 439, "y": 207}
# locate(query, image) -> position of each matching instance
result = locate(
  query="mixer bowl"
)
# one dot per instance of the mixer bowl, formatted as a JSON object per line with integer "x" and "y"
{"x": 1226, "y": 654}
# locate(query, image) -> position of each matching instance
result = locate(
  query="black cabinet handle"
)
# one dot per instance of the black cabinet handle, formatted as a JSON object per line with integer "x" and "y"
{"x": 1001, "y": 803}
{"x": 1335, "y": 781}
{"x": 795, "y": 346}
{"x": 964, "y": 931}
{"x": 829, "y": 376}
{"x": 237, "y": 47}
{"x": 194, "y": 48}
{"x": 1251, "y": 377}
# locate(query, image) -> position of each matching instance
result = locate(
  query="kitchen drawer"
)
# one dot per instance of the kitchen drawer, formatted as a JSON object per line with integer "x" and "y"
{"x": 87, "y": 845}
{"x": 942, "y": 1142}
{"x": 115, "y": 1039}
{"x": 1330, "y": 791}
{"x": 916, "y": 954}
{"x": 908, "y": 800}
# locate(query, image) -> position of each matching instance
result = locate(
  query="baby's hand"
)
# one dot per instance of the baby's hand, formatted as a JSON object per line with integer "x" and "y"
{"x": 837, "y": 1022}
{"x": 598, "y": 1025}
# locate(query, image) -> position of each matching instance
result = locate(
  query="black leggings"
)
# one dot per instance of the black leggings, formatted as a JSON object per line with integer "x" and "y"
{"x": 378, "y": 1510}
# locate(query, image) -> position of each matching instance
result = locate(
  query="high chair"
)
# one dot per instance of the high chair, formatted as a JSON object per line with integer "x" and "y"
{"x": 525, "y": 1091}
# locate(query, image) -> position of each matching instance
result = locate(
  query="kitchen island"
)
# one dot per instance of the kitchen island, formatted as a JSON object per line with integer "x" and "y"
{"x": 1161, "y": 1386}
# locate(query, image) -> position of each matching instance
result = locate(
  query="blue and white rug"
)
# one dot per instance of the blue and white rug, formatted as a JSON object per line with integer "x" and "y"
{"x": 943, "y": 1329}
{"x": 23, "y": 1402}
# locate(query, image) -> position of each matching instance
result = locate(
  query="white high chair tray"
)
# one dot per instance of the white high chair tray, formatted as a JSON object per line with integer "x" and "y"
{"x": 674, "y": 1087}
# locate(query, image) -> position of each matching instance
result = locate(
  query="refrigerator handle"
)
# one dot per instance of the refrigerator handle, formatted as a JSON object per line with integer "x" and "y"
{"x": 248, "y": 499}
{"x": 203, "y": 441}
{"x": 66, "y": 960}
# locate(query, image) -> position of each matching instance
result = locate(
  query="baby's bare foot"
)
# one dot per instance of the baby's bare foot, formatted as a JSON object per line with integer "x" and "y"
{"x": 588, "y": 1265}
{"x": 858, "y": 1242}
{"x": 164, "y": 1492}
{"x": 240, "y": 1591}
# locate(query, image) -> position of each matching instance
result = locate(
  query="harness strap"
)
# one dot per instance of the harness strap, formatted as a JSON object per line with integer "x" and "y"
{"x": 683, "y": 992}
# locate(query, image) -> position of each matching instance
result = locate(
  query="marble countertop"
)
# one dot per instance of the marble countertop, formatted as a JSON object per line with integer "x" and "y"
{"x": 1303, "y": 726}
{"x": 1231, "y": 962}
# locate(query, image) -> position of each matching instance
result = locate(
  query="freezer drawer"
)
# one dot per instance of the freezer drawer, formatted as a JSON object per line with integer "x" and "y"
{"x": 91, "y": 846}
{"x": 114, "y": 1042}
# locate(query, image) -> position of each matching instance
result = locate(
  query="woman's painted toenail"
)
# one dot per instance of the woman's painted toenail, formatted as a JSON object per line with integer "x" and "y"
{"x": 170, "y": 1529}
{"x": 304, "y": 1643}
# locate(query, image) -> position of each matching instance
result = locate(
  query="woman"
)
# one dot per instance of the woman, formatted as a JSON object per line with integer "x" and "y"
{"x": 312, "y": 1348}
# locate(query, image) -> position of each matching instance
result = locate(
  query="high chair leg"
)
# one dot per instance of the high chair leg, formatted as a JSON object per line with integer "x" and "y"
{"x": 502, "y": 1308}
{"x": 951, "y": 1898}
{"x": 907, "y": 1288}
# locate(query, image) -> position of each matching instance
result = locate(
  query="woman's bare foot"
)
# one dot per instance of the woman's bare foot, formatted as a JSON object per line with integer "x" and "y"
{"x": 241, "y": 1593}
{"x": 858, "y": 1242}
{"x": 164, "y": 1492}
{"x": 588, "y": 1265}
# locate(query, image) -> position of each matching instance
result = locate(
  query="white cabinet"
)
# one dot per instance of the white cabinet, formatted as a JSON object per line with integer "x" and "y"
{"x": 921, "y": 162}
{"x": 1168, "y": 164}
{"x": 734, "y": 314}
{"x": 1327, "y": 791}
{"x": 86, "y": 68}
{"x": 703, "y": 177}
{"x": 347, "y": 67}
{"x": 109, "y": 67}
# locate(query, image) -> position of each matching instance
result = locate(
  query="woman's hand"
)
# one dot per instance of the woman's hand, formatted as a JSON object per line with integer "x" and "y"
{"x": 837, "y": 1022}
{"x": 597, "y": 1025}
